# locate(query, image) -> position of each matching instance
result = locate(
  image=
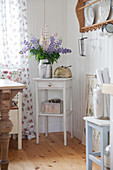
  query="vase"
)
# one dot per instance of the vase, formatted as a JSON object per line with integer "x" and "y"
{"x": 45, "y": 69}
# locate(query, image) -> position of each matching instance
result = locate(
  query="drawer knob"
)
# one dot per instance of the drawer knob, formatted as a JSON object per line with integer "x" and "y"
{"x": 50, "y": 85}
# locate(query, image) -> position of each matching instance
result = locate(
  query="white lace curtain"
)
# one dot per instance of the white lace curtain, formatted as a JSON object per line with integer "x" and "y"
{"x": 13, "y": 31}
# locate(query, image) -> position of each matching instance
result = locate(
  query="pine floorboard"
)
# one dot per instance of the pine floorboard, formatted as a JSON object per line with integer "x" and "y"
{"x": 49, "y": 154}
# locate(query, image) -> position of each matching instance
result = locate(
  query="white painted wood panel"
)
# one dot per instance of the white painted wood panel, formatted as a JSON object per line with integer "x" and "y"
{"x": 54, "y": 14}
{"x": 35, "y": 23}
{"x": 60, "y": 15}
{"x": 78, "y": 68}
{"x": 98, "y": 55}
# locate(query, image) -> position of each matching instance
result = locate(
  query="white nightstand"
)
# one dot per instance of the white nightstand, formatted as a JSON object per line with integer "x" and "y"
{"x": 63, "y": 84}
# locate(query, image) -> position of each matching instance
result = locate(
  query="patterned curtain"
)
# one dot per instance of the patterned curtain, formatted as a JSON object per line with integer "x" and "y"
{"x": 13, "y": 66}
{"x": 91, "y": 83}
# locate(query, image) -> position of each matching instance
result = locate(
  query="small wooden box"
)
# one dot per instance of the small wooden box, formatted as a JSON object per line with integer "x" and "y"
{"x": 47, "y": 107}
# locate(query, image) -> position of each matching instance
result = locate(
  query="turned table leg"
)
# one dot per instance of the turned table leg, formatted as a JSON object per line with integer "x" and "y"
{"x": 4, "y": 151}
{"x": 5, "y": 126}
{"x": 8, "y": 89}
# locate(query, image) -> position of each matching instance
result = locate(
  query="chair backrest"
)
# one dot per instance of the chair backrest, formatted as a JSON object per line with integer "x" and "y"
{"x": 91, "y": 83}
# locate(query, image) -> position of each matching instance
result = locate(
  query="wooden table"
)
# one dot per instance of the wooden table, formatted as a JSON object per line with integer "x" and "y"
{"x": 8, "y": 89}
{"x": 108, "y": 89}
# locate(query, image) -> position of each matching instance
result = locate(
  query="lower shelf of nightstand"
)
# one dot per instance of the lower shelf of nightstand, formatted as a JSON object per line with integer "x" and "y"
{"x": 55, "y": 114}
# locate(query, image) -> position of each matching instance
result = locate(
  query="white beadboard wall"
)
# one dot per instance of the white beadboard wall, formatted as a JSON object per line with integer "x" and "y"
{"x": 54, "y": 14}
{"x": 60, "y": 16}
{"x": 78, "y": 68}
{"x": 99, "y": 52}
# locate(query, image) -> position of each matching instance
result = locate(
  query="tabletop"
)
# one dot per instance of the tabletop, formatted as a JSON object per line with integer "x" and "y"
{"x": 7, "y": 84}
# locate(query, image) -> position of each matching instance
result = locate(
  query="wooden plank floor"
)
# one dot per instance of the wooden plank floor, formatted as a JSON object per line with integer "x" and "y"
{"x": 49, "y": 154}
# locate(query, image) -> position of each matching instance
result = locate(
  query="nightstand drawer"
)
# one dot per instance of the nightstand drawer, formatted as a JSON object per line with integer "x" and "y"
{"x": 50, "y": 84}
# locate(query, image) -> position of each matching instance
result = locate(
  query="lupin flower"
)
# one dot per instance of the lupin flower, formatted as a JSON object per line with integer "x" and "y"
{"x": 46, "y": 47}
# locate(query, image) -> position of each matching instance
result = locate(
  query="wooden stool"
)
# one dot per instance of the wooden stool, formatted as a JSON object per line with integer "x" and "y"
{"x": 104, "y": 127}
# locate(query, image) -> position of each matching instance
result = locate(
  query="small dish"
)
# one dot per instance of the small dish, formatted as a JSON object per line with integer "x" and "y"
{"x": 108, "y": 28}
{"x": 89, "y": 14}
{"x": 105, "y": 9}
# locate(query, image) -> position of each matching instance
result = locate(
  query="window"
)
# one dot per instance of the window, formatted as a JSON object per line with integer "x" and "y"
{"x": 13, "y": 31}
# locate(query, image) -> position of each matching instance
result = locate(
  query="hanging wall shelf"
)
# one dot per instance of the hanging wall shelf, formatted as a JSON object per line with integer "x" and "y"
{"x": 80, "y": 15}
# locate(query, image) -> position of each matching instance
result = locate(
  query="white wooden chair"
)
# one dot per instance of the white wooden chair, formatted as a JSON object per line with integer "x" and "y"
{"x": 104, "y": 127}
{"x": 96, "y": 131}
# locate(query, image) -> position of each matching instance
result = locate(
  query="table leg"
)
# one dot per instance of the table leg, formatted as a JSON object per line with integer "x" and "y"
{"x": 46, "y": 117}
{"x": 89, "y": 146}
{"x": 71, "y": 108}
{"x": 5, "y": 127}
{"x": 64, "y": 110}
{"x": 37, "y": 115}
{"x": 111, "y": 143}
{"x": 72, "y": 124}
{"x": 20, "y": 120}
{"x": 46, "y": 126}
{"x": 4, "y": 140}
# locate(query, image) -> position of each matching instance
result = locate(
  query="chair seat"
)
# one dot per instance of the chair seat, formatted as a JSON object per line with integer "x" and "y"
{"x": 98, "y": 122}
